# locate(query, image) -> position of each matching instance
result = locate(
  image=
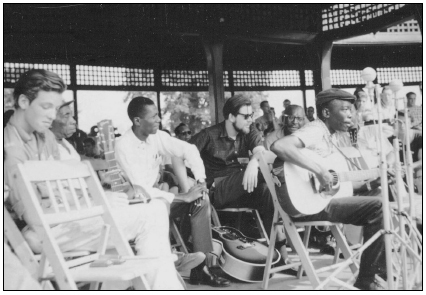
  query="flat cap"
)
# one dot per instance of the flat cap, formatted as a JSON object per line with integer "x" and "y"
{"x": 334, "y": 93}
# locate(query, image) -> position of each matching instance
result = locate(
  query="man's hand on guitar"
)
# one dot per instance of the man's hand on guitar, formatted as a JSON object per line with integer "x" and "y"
{"x": 250, "y": 176}
{"x": 117, "y": 199}
{"x": 325, "y": 179}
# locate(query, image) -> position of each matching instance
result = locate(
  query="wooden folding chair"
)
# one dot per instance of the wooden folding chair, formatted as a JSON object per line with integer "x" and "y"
{"x": 91, "y": 203}
{"x": 292, "y": 234}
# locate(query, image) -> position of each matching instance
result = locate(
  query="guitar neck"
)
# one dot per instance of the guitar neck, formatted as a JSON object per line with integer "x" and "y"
{"x": 117, "y": 184}
{"x": 359, "y": 175}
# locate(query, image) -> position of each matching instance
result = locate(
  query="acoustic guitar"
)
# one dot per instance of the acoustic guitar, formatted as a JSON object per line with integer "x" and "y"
{"x": 305, "y": 196}
{"x": 242, "y": 257}
{"x": 113, "y": 176}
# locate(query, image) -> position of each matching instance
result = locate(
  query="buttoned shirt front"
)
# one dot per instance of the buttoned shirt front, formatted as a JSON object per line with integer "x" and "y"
{"x": 221, "y": 153}
{"x": 141, "y": 160}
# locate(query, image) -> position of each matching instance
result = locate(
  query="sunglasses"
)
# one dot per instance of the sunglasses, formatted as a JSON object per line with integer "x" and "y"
{"x": 185, "y": 133}
{"x": 246, "y": 116}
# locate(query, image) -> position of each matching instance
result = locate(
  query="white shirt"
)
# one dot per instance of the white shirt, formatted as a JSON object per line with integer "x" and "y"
{"x": 70, "y": 154}
{"x": 141, "y": 160}
{"x": 316, "y": 136}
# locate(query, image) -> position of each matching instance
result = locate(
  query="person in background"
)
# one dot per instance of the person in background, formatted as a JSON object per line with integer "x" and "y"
{"x": 6, "y": 117}
{"x": 183, "y": 132}
{"x": 311, "y": 112}
{"x": 294, "y": 120}
{"x": 90, "y": 150}
{"x": 281, "y": 119}
{"x": 267, "y": 122}
{"x": 415, "y": 112}
{"x": 388, "y": 112}
{"x": 77, "y": 138}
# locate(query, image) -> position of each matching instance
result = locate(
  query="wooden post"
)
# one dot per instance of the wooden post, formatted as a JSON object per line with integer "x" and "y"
{"x": 73, "y": 87}
{"x": 320, "y": 56}
{"x": 214, "y": 53}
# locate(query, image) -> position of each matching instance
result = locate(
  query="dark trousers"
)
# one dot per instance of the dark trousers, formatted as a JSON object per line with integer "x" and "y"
{"x": 229, "y": 193}
{"x": 199, "y": 217}
{"x": 361, "y": 211}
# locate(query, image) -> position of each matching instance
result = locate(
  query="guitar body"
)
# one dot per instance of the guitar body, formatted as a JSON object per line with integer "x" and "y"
{"x": 304, "y": 197}
{"x": 242, "y": 257}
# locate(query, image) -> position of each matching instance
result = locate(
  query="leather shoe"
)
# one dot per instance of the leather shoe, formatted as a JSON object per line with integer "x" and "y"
{"x": 188, "y": 261}
{"x": 199, "y": 277}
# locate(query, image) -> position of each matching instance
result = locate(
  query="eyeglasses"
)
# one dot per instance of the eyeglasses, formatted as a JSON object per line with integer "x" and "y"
{"x": 246, "y": 116}
{"x": 292, "y": 118}
{"x": 185, "y": 133}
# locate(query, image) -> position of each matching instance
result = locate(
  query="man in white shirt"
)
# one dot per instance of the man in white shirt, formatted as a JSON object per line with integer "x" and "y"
{"x": 140, "y": 152}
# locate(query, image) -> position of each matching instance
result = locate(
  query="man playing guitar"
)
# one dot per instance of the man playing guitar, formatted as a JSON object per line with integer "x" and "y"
{"x": 334, "y": 115}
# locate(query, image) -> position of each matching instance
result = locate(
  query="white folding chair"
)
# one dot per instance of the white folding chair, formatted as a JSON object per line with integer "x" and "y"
{"x": 290, "y": 226}
{"x": 72, "y": 176}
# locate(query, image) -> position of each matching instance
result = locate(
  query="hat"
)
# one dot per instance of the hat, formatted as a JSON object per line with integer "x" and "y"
{"x": 334, "y": 93}
{"x": 66, "y": 104}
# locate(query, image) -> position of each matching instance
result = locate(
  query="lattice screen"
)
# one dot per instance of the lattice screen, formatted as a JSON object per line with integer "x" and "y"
{"x": 406, "y": 74}
{"x": 184, "y": 78}
{"x": 346, "y": 77}
{"x": 407, "y": 27}
{"x": 343, "y": 15}
{"x": 309, "y": 78}
{"x": 12, "y": 71}
{"x": 266, "y": 78}
{"x": 114, "y": 76}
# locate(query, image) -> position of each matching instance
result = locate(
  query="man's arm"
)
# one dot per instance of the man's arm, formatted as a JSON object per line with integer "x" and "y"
{"x": 288, "y": 149}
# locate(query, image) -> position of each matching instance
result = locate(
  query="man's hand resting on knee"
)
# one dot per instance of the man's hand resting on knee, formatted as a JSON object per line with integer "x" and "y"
{"x": 193, "y": 194}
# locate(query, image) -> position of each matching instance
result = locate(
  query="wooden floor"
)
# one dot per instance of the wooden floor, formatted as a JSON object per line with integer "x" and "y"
{"x": 279, "y": 281}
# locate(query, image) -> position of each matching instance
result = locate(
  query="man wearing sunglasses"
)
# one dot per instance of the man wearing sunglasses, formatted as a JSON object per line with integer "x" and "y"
{"x": 183, "y": 132}
{"x": 226, "y": 149}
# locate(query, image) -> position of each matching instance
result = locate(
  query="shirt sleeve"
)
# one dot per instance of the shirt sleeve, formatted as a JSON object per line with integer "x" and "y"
{"x": 310, "y": 136}
{"x": 174, "y": 147}
{"x": 200, "y": 140}
{"x": 124, "y": 159}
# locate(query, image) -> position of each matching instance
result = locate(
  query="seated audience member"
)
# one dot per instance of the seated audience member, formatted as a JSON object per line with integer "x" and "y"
{"x": 38, "y": 96}
{"x": 294, "y": 119}
{"x": 76, "y": 140}
{"x": 90, "y": 150}
{"x": 334, "y": 115}
{"x": 388, "y": 111}
{"x": 232, "y": 176}
{"x": 140, "y": 152}
{"x": 281, "y": 119}
{"x": 415, "y": 112}
{"x": 311, "y": 112}
{"x": 183, "y": 132}
{"x": 267, "y": 122}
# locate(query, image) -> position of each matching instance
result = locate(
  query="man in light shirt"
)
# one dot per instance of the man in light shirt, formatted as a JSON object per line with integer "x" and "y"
{"x": 140, "y": 152}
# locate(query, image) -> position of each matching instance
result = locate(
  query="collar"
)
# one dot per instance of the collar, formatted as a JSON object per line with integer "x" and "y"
{"x": 25, "y": 137}
{"x": 133, "y": 138}
{"x": 322, "y": 124}
{"x": 223, "y": 132}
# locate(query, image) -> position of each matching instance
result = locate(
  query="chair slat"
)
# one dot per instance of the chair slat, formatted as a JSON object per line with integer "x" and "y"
{"x": 53, "y": 170}
{"x": 62, "y": 217}
{"x": 84, "y": 191}
{"x": 52, "y": 196}
{"x": 73, "y": 194}
{"x": 62, "y": 193}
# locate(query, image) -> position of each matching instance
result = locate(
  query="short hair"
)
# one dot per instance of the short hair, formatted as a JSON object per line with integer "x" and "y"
{"x": 137, "y": 106}
{"x": 287, "y": 100}
{"x": 291, "y": 108}
{"x": 89, "y": 140}
{"x": 178, "y": 127}
{"x": 32, "y": 81}
{"x": 233, "y": 105}
{"x": 410, "y": 93}
{"x": 263, "y": 103}
{"x": 311, "y": 108}
{"x": 357, "y": 91}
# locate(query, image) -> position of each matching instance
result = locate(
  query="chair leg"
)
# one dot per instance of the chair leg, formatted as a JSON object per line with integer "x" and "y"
{"x": 271, "y": 250}
{"x": 178, "y": 238}
{"x": 215, "y": 217}
{"x": 260, "y": 226}
{"x": 302, "y": 252}
{"x": 306, "y": 237}
{"x": 343, "y": 245}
